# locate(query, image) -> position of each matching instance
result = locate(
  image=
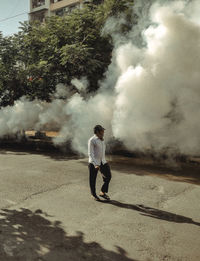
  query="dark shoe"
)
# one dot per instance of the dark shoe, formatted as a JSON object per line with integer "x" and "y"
{"x": 105, "y": 196}
{"x": 95, "y": 197}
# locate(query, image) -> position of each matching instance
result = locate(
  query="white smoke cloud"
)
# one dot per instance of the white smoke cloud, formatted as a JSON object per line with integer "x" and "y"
{"x": 157, "y": 98}
{"x": 150, "y": 96}
{"x": 22, "y": 115}
{"x": 83, "y": 116}
{"x": 81, "y": 84}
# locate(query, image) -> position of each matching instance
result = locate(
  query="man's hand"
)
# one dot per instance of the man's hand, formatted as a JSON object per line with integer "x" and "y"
{"x": 97, "y": 167}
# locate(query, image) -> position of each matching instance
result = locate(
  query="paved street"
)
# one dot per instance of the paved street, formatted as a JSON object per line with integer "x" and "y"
{"x": 47, "y": 213}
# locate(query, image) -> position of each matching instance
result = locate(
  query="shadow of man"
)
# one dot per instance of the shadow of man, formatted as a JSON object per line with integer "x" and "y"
{"x": 154, "y": 213}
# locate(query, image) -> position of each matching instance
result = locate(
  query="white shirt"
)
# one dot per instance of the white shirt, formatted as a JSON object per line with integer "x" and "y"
{"x": 96, "y": 151}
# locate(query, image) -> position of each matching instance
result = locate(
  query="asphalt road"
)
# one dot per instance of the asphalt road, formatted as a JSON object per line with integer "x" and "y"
{"x": 47, "y": 213}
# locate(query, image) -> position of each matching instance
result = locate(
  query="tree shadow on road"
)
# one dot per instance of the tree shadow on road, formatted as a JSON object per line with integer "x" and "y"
{"x": 30, "y": 236}
{"x": 154, "y": 213}
{"x": 55, "y": 155}
{"x": 179, "y": 172}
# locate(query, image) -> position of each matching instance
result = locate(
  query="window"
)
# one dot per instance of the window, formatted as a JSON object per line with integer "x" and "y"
{"x": 40, "y": 16}
{"x": 37, "y": 3}
{"x": 67, "y": 10}
{"x": 60, "y": 12}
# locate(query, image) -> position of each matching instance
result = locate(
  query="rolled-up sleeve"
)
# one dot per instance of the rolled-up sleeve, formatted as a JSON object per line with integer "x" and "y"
{"x": 91, "y": 152}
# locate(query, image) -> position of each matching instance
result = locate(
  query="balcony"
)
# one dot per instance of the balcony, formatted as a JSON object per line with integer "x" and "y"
{"x": 38, "y": 16}
{"x": 38, "y": 5}
{"x": 55, "y": 5}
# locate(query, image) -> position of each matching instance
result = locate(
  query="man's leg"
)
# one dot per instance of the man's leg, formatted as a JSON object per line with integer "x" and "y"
{"x": 106, "y": 174}
{"x": 92, "y": 178}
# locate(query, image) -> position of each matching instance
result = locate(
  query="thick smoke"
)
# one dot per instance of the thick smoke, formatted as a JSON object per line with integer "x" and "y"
{"x": 157, "y": 103}
{"x": 150, "y": 97}
{"x": 23, "y": 115}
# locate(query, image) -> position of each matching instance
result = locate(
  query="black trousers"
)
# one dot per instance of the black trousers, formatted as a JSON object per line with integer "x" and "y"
{"x": 106, "y": 175}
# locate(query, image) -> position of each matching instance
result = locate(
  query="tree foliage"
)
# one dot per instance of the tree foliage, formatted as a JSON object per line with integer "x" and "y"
{"x": 34, "y": 60}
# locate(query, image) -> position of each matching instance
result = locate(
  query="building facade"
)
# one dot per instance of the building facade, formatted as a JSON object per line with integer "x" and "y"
{"x": 39, "y": 9}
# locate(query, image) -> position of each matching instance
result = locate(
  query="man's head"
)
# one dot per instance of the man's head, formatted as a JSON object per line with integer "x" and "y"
{"x": 99, "y": 131}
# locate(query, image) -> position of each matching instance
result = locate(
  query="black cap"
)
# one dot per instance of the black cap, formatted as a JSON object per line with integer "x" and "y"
{"x": 98, "y": 128}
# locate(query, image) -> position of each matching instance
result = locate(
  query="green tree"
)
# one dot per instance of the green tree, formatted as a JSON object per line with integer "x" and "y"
{"x": 12, "y": 74}
{"x": 33, "y": 61}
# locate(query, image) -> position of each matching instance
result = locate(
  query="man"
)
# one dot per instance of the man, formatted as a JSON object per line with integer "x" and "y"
{"x": 97, "y": 161}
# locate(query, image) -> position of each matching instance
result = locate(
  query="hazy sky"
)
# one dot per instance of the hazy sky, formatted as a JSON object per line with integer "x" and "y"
{"x": 9, "y": 8}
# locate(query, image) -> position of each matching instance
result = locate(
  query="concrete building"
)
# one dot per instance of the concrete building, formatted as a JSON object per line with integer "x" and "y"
{"x": 39, "y": 9}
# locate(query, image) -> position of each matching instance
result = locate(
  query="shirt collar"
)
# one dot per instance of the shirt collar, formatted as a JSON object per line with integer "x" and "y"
{"x": 98, "y": 137}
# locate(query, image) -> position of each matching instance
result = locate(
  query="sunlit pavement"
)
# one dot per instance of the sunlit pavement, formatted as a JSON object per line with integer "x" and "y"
{"x": 47, "y": 213}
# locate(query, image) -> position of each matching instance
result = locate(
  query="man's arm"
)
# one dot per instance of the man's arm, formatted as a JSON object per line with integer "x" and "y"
{"x": 91, "y": 152}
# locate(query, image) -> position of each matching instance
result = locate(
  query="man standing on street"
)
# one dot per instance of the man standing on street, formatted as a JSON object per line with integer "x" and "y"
{"x": 97, "y": 161}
